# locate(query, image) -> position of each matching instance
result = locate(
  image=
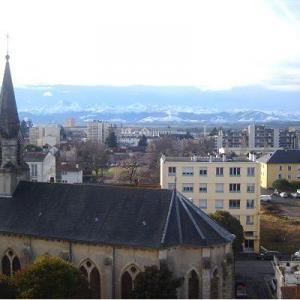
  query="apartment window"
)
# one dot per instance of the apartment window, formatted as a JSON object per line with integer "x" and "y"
{"x": 219, "y": 204}
{"x": 220, "y": 171}
{"x": 279, "y": 176}
{"x": 203, "y": 188}
{"x": 33, "y": 170}
{"x": 203, "y": 172}
{"x": 250, "y": 188}
{"x": 234, "y": 204}
{"x": 188, "y": 171}
{"x": 249, "y": 245}
{"x": 234, "y": 187}
{"x": 249, "y": 220}
{"x": 249, "y": 233}
{"x": 289, "y": 176}
{"x": 250, "y": 203}
{"x": 235, "y": 171}
{"x": 251, "y": 171}
{"x": 289, "y": 168}
{"x": 172, "y": 171}
{"x": 280, "y": 168}
{"x": 187, "y": 187}
{"x": 171, "y": 186}
{"x": 219, "y": 187}
{"x": 203, "y": 203}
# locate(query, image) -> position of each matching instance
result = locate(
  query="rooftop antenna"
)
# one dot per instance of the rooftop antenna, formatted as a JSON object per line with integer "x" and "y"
{"x": 7, "y": 46}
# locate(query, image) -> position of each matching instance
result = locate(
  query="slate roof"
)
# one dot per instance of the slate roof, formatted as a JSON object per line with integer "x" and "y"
{"x": 9, "y": 119}
{"x": 133, "y": 217}
{"x": 281, "y": 157}
{"x": 35, "y": 156}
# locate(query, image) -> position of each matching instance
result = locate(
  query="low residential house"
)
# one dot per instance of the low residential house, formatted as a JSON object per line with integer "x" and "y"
{"x": 69, "y": 173}
{"x": 281, "y": 164}
{"x": 287, "y": 279}
{"x": 42, "y": 166}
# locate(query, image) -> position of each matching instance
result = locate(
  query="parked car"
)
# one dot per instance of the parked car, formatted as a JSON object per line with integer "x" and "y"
{"x": 283, "y": 195}
{"x": 241, "y": 290}
{"x": 269, "y": 255}
{"x": 276, "y": 192}
{"x": 265, "y": 198}
{"x": 295, "y": 195}
{"x": 297, "y": 254}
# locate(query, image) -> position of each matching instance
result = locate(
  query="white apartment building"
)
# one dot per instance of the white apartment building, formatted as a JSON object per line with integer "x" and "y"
{"x": 98, "y": 131}
{"x": 42, "y": 166}
{"x": 218, "y": 184}
{"x": 41, "y": 135}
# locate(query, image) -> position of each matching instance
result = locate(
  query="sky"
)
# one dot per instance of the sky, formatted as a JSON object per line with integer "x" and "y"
{"x": 212, "y": 45}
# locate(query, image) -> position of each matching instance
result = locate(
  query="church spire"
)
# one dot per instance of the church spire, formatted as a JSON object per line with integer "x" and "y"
{"x": 9, "y": 119}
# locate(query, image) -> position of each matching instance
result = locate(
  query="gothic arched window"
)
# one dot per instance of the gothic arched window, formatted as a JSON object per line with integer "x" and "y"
{"x": 127, "y": 281}
{"x": 193, "y": 285}
{"x": 10, "y": 263}
{"x": 214, "y": 285}
{"x": 6, "y": 270}
{"x": 92, "y": 274}
{"x": 127, "y": 286}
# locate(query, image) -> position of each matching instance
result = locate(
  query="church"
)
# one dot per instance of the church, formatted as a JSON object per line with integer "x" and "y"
{"x": 110, "y": 233}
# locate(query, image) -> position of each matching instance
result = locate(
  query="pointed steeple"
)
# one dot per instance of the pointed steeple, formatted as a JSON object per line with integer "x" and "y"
{"x": 9, "y": 119}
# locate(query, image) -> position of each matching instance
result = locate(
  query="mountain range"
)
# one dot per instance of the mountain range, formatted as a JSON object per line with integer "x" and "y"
{"x": 151, "y": 105}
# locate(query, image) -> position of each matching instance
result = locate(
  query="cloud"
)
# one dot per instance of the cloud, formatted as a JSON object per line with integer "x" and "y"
{"x": 47, "y": 94}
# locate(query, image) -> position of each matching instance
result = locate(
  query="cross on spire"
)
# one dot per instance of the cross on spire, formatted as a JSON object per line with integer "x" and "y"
{"x": 7, "y": 47}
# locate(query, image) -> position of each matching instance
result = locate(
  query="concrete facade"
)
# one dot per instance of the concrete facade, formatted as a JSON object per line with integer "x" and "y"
{"x": 199, "y": 182}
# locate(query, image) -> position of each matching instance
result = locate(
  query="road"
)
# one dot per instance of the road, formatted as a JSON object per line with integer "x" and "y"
{"x": 255, "y": 274}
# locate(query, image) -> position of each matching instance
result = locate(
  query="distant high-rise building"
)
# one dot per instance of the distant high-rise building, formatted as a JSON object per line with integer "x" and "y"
{"x": 41, "y": 135}
{"x": 98, "y": 131}
{"x": 70, "y": 122}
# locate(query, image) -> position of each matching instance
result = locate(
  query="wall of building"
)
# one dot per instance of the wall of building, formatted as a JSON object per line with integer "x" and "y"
{"x": 181, "y": 260}
{"x": 211, "y": 180}
{"x": 272, "y": 172}
{"x": 71, "y": 177}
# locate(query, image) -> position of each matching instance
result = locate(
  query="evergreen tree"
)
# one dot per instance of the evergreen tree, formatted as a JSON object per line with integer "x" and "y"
{"x": 111, "y": 140}
{"x": 143, "y": 141}
{"x": 233, "y": 225}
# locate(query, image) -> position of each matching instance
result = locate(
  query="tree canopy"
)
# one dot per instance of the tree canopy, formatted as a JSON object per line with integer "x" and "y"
{"x": 233, "y": 225}
{"x": 111, "y": 140}
{"x": 92, "y": 156}
{"x": 155, "y": 283}
{"x": 51, "y": 277}
{"x": 143, "y": 141}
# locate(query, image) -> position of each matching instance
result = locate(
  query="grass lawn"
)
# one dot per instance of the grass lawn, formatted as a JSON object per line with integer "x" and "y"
{"x": 279, "y": 232}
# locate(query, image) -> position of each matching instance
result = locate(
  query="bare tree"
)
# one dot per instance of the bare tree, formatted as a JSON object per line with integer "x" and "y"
{"x": 130, "y": 173}
{"x": 93, "y": 157}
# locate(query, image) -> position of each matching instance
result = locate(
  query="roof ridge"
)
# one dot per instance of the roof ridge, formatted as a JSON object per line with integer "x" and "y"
{"x": 191, "y": 218}
{"x": 168, "y": 218}
{"x": 215, "y": 225}
{"x": 178, "y": 219}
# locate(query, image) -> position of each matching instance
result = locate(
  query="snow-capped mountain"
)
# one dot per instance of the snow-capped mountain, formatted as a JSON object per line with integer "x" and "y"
{"x": 150, "y": 105}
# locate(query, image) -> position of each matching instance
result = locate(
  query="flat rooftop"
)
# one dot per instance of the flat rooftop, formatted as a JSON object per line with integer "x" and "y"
{"x": 205, "y": 159}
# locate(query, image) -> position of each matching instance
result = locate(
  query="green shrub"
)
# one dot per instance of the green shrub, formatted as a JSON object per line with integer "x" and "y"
{"x": 155, "y": 283}
{"x": 7, "y": 288}
{"x": 51, "y": 277}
